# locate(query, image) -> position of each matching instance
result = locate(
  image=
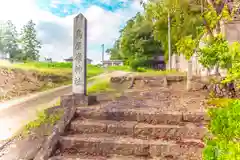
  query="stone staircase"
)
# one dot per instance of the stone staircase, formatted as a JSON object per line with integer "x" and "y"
{"x": 112, "y": 133}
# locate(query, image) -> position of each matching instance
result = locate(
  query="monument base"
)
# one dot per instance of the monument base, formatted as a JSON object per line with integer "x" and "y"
{"x": 78, "y": 100}
{"x": 81, "y": 99}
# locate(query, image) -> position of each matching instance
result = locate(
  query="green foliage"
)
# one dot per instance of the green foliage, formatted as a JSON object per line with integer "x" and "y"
{"x": 184, "y": 20}
{"x": 141, "y": 69}
{"x": 30, "y": 44}
{"x": 219, "y": 52}
{"x": 136, "y": 41}
{"x": 225, "y": 126}
{"x": 221, "y": 150}
{"x": 215, "y": 52}
{"x": 143, "y": 63}
{"x": 234, "y": 70}
{"x": 225, "y": 122}
{"x": 186, "y": 46}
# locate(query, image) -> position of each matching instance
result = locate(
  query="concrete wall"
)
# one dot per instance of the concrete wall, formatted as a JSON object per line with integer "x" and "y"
{"x": 232, "y": 32}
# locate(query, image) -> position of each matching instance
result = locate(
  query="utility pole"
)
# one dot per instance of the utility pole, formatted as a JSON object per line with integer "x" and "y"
{"x": 103, "y": 53}
{"x": 202, "y": 6}
{"x": 169, "y": 43}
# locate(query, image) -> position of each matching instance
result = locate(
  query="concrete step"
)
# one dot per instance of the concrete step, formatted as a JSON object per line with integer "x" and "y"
{"x": 106, "y": 144}
{"x": 145, "y": 115}
{"x": 138, "y": 130}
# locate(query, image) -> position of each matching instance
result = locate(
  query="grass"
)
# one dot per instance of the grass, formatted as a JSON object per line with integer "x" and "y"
{"x": 225, "y": 127}
{"x": 57, "y": 68}
{"x": 43, "y": 118}
{"x": 220, "y": 102}
{"x": 63, "y": 68}
{"x": 150, "y": 72}
{"x": 119, "y": 68}
{"x": 100, "y": 86}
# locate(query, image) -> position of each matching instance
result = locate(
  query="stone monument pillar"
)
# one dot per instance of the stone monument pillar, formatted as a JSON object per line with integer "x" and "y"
{"x": 79, "y": 66}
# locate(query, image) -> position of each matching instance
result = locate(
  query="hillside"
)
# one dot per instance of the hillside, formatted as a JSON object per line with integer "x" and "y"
{"x": 22, "y": 79}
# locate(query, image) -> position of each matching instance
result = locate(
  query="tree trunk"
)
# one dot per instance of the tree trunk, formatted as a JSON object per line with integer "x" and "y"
{"x": 189, "y": 75}
{"x": 216, "y": 71}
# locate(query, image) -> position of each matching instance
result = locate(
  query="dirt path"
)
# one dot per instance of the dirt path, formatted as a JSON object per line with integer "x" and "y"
{"x": 16, "y": 116}
{"x": 16, "y": 113}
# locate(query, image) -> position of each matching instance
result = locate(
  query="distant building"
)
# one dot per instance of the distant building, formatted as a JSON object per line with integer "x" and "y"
{"x": 48, "y": 60}
{"x": 109, "y": 63}
{"x": 157, "y": 62}
{"x": 89, "y": 61}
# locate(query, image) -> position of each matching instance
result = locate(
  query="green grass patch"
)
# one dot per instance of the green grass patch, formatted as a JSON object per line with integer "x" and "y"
{"x": 100, "y": 86}
{"x": 119, "y": 68}
{"x": 93, "y": 70}
{"x": 43, "y": 118}
{"x": 150, "y": 72}
{"x": 56, "y": 68}
{"x": 225, "y": 127}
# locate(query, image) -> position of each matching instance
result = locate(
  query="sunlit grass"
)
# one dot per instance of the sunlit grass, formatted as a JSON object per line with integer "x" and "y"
{"x": 120, "y": 68}
{"x": 54, "y": 68}
{"x": 150, "y": 72}
{"x": 220, "y": 102}
{"x": 100, "y": 86}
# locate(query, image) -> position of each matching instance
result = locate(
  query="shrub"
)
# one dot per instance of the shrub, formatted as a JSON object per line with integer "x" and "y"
{"x": 141, "y": 69}
{"x": 135, "y": 64}
{"x": 225, "y": 127}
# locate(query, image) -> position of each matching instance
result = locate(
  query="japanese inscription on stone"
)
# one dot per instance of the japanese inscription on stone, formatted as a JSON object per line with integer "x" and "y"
{"x": 79, "y": 54}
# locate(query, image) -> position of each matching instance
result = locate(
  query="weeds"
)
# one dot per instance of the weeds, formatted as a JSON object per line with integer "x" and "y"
{"x": 43, "y": 118}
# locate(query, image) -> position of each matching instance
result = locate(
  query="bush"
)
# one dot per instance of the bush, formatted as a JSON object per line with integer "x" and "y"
{"x": 141, "y": 63}
{"x": 225, "y": 127}
{"x": 140, "y": 69}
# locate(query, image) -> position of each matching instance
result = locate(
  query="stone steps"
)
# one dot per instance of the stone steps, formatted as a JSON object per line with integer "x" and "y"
{"x": 137, "y": 130}
{"x": 145, "y": 115}
{"x": 108, "y": 144}
{"x": 113, "y": 157}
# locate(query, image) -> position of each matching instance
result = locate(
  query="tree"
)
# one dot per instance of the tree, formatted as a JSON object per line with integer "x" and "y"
{"x": 10, "y": 41}
{"x": 115, "y": 52}
{"x": 185, "y": 20}
{"x": 136, "y": 42}
{"x": 29, "y": 43}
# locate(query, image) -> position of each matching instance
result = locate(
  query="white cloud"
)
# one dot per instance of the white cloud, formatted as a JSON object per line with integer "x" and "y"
{"x": 55, "y": 32}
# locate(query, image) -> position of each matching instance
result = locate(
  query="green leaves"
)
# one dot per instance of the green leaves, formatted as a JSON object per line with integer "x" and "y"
{"x": 187, "y": 46}
{"x": 185, "y": 21}
{"x": 136, "y": 41}
{"x": 215, "y": 52}
{"x": 225, "y": 126}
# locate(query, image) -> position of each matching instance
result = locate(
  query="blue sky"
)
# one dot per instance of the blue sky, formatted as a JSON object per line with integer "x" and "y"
{"x": 54, "y": 19}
